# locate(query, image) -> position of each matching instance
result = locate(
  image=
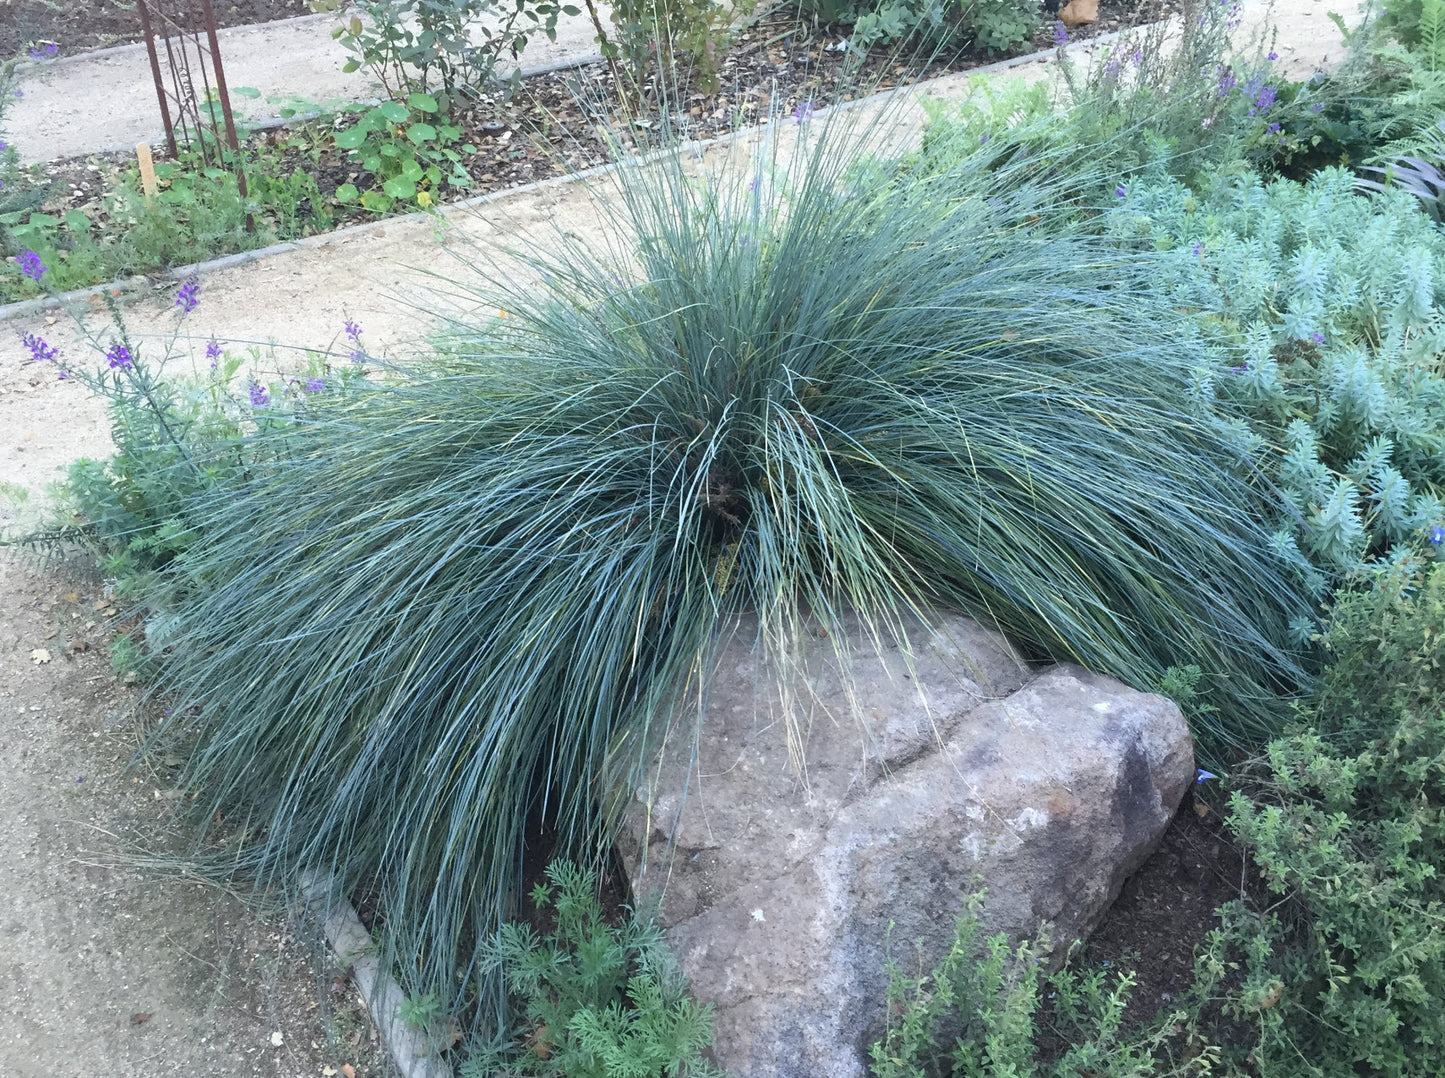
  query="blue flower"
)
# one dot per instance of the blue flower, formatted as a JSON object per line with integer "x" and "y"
{"x": 1121, "y": 191}
{"x": 1317, "y": 337}
{"x": 120, "y": 358}
{"x": 315, "y": 384}
{"x": 1061, "y": 34}
{"x": 1437, "y": 534}
{"x": 1204, "y": 776}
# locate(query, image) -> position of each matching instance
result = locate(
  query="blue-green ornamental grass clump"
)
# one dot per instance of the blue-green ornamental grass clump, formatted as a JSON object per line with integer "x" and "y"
{"x": 1330, "y": 320}
{"x": 477, "y": 593}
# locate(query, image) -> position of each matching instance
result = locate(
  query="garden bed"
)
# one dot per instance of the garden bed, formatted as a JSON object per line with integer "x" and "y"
{"x": 77, "y": 25}
{"x": 304, "y": 181}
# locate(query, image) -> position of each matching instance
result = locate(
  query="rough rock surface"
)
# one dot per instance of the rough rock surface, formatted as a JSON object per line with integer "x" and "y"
{"x": 965, "y": 767}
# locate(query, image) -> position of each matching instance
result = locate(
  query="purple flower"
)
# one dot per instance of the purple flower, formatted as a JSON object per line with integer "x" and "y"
{"x": 1239, "y": 369}
{"x": 4, "y": 145}
{"x": 35, "y": 54}
{"x": 39, "y": 350}
{"x": 352, "y": 330}
{"x": 1206, "y": 123}
{"x": 358, "y": 356}
{"x": 1264, "y": 99}
{"x": 752, "y": 185}
{"x": 30, "y": 265}
{"x": 1272, "y": 55}
{"x": 1226, "y": 83}
{"x": 1273, "y": 129}
{"x": 51, "y": 48}
{"x": 982, "y": 139}
{"x": 1317, "y": 337}
{"x": 214, "y": 351}
{"x": 1200, "y": 777}
{"x": 120, "y": 358}
{"x": 803, "y": 112}
{"x": 1121, "y": 191}
{"x": 1113, "y": 67}
{"x": 1197, "y": 249}
{"x": 1437, "y": 534}
{"x": 260, "y": 397}
{"x": 1061, "y": 34}
{"x": 1136, "y": 57}
{"x": 19, "y": 93}
{"x": 186, "y": 297}
{"x": 315, "y": 384}
{"x": 1317, "y": 108}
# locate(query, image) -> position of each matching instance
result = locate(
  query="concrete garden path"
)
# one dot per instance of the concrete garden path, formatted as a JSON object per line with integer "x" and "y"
{"x": 106, "y": 100}
{"x": 85, "y": 944}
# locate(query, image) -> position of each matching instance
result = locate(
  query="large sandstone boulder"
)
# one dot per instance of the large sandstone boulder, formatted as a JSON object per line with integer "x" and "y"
{"x": 927, "y": 779}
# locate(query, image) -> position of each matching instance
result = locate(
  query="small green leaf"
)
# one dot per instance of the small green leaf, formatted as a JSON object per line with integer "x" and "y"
{"x": 400, "y": 187}
{"x": 43, "y": 219}
{"x": 420, "y": 133}
{"x": 371, "y": 161}
{"x": 422, "y": 102}
{"x": 568, "y": 9}
{"x": 394, "y": 111}
{"x": 350, "y": 66}
{"x": 351, "y": 138}
{"x": 246, "y": 91}
{"x": 467, "y": 147}
{"x": 376, "y": 202}
{"x": 346, "y": 193}
{"x": 411, "y": 170}
{"x": 76, "y": 221}
{"x": 390, "y": 149}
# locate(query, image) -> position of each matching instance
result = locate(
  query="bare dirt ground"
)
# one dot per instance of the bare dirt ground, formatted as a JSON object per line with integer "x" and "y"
{"x": 89, "y": 942}
{"x": 107, "y": 967}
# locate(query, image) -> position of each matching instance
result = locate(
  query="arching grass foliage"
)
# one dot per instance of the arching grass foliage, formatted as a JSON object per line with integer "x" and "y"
{"x": 465, "y": 597}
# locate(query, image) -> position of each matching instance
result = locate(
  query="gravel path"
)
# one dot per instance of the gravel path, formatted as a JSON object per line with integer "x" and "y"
{"x": 84, "y": 945}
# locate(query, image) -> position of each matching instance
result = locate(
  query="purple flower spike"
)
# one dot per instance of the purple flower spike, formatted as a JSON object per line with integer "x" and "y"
{"x": 186, "y": 298}
{"x": 352, "y": 330}
{"x": 1136, "y": 57}
{"x": 1437, "y": 534}
{"x": 803, "y": 113}
{"x": 214, "y": 351}
{"x": 260, "y": 396}
{"x": 1272, "y": 55}
{"x": 120, "y": 358}
{"x": 30, "y": 265}
{"x": 315, "y": 384}
{"x": 40, "y": 352}
{"x": 358, "y": 356}
{"x": 1121, "y": 191}
{"x": 1061, "y": 34}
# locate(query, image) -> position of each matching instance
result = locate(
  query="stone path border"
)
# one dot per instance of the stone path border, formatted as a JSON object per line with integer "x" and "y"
{"x": 352, "y": 946}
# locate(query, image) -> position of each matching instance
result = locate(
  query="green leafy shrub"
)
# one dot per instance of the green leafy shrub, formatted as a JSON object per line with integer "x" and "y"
{"x": 1347, "y": 824}
{"x": 988, "y": 25}
{"x": 410, "y": 150}
{"x": 687, "y": 38}
{"x": 427, "y": 46}
{"x": 593, "y": 1000}
{"x": 797, "y": 398}
{"x": 1330, "y": 319}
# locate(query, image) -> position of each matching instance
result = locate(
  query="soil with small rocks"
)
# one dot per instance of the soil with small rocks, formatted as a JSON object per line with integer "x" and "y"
{"x": 78, "y": 25}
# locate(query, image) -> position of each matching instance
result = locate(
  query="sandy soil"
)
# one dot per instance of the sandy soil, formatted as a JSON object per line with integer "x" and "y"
{"x": 85, "y": 944}
{"x": 107, "y": 100}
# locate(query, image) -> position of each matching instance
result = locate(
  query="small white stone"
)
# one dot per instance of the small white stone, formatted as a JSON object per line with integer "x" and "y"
{"x": 758, "y": 914}
{"x": 277, "y": 1039}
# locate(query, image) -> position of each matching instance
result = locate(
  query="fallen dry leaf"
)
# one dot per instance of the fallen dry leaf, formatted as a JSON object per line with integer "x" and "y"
{"x": 39, "y": 655}
{"x": 140, "y": 1018}
{"x": 1201, "y": 809}
{"x": 1079, "y": 13}
{"x": 348, "y": 1070}
{"x": 72, "y": 596}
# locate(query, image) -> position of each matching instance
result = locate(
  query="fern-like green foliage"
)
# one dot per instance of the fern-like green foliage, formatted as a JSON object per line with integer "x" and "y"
{"x": 593, "y": 1000}
{"x": 1329, "y": 309}
{"x": 978, "y": 1013}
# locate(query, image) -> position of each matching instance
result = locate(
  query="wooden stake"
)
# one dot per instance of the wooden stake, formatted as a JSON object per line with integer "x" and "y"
{"x": 147, "y": 170}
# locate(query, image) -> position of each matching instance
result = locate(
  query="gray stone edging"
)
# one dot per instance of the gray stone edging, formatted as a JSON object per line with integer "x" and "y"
{"x": 352, "y": 946}
{"x": 21, "y": 308}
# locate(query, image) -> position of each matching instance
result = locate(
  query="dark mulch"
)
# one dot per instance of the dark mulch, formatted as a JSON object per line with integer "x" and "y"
{"x": 77, "y": 25}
